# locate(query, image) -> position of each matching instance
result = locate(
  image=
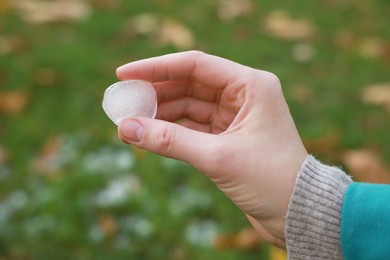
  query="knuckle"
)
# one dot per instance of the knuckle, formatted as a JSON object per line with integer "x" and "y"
{"x": 270, "y": 84}
{"x": 165, "y": 139}
{"x": 272, "y": 79}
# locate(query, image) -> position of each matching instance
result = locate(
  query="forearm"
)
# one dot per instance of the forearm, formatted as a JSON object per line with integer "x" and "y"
{"x": 313, "y": 217}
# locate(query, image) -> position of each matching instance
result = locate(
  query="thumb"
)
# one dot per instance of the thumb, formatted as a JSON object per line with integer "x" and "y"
{"x": 167, "y": 139}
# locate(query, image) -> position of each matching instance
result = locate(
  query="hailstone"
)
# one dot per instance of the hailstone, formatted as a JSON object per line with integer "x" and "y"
{"x": 128, "y": 99}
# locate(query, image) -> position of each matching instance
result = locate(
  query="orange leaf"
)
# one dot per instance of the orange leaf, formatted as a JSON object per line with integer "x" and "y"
{"x": 246, "y": 239}
{"x": 5, "y": 5}
{"x": 108, "y": 225}
{"x": 13, "y": 102}
{"x": 323, "y": 145}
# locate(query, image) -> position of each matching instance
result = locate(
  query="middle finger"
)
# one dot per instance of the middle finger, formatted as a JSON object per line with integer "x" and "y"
{"x": 170, "y": 90}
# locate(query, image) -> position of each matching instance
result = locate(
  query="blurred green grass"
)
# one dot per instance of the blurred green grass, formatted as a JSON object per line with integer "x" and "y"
{"x": 70, "y": 189}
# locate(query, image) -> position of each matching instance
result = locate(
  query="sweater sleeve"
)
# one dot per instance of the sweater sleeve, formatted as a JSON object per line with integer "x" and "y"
{"x": 365, "y": 222}
{"x": 313, "y": 217}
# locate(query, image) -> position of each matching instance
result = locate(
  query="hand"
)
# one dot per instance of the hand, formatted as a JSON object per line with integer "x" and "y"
{"x": 232, "y": 123}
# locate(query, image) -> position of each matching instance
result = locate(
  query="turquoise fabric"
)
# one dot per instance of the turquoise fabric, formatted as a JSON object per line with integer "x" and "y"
{"x": 365, "y": 222}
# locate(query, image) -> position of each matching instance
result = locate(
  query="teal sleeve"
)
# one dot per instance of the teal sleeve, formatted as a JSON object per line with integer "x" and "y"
{"x": 365, "y": 222}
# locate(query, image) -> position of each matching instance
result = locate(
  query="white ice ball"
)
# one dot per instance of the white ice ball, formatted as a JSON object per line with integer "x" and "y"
{"x": 128, "y": 99}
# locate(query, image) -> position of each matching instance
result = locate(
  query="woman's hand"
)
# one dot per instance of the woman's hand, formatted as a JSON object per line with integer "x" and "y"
{"x": 232, "y": 123}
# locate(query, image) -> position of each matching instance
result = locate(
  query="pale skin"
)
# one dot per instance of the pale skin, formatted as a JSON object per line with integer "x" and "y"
{"x": 227, "y": 120}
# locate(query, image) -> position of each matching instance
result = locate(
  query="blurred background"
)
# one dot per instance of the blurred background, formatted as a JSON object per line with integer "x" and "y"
{"x": 70, "y": 189}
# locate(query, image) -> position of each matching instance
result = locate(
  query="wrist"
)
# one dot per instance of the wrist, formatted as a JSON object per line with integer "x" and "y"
{"x": 313, "y": 216}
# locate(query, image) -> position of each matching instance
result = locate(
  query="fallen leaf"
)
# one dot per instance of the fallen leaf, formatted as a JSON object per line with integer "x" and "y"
{"x": 246, "y": 239}
{"x": 174, "y": 33}
{"x": 345, "y": 39}
{"x": 46, "y": 77}
{"x": 326, "y": 144}
{"x": 377, "y": 94}
{"x": 12, "y": 44}
{"x": 166, "y": 32}
{"x": 5, "y": 6}
{"x": 13, "y": 102}
{"x": 386, "y": 52}
{"x": 372, "y": 48}
{"x": 108, "y": 225}
{"x": 41, "y": 12}
{"x": 281, "y": 25}
{"x": 143, "y": 24}
{"x": 46, "y": 161}
{"x": 230, "y": 9}
{"x": 365, "y": 165}
{"x": 4, "y": 156}
{"x": 276, "y": 253}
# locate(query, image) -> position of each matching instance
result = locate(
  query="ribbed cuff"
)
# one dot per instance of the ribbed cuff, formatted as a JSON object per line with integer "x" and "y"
{"x": 313, "y": 216}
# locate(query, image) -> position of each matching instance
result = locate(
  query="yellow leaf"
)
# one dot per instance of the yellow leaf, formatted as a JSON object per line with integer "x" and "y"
{"x": 277, "y": 254}
{"x": 371, "y": 48}
{"x": 13, "y": 102}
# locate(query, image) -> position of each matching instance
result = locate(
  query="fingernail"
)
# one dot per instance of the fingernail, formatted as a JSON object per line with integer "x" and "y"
{"x": 131, "y": 130}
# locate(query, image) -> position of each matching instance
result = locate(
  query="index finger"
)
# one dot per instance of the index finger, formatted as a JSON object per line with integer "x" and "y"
{"x": 207, "y": 69}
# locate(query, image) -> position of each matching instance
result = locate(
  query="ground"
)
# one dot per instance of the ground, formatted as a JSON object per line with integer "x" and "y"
{"x": 70, "y": 189}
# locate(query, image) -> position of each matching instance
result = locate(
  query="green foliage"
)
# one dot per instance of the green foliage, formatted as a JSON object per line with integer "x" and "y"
{"x": 70, "y": 190}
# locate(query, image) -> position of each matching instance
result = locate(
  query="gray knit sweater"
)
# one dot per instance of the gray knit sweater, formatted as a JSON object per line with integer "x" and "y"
{"x": 313, "y": 217}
